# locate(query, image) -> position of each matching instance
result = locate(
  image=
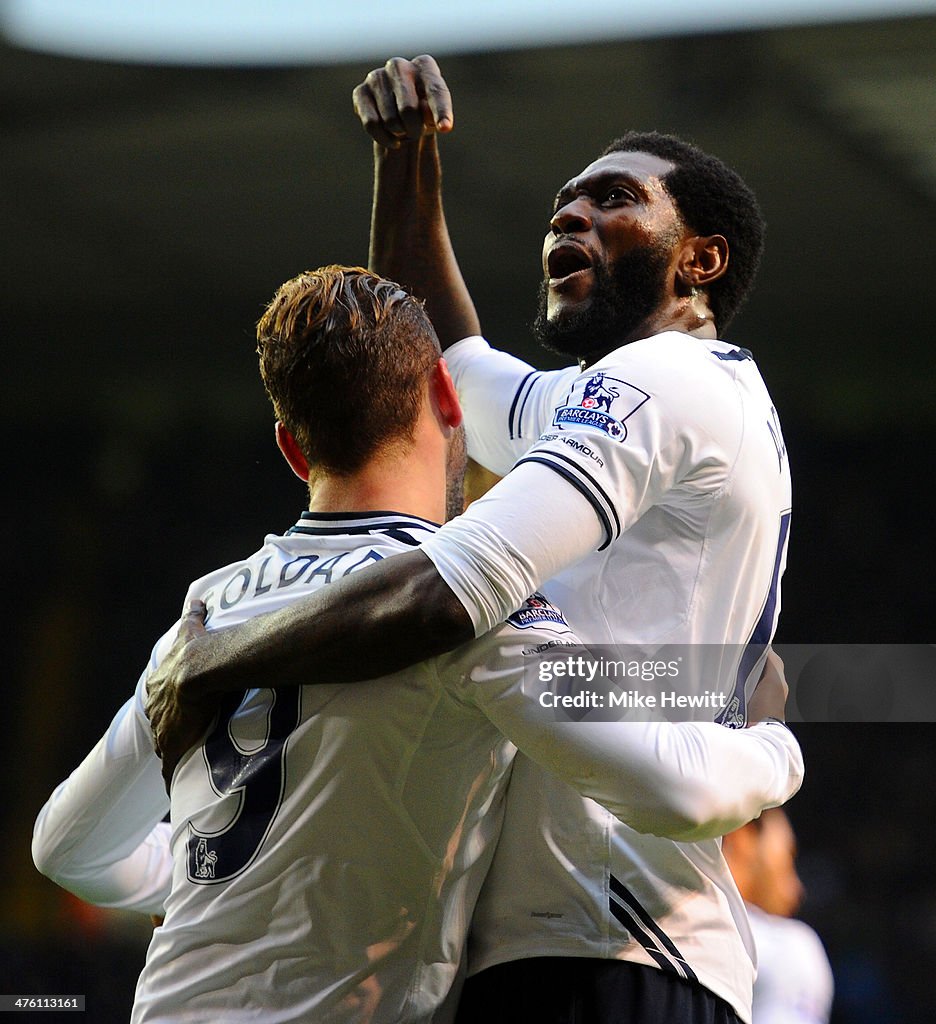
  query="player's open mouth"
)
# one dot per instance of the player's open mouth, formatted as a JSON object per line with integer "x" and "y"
{"x": 566, "y": 261}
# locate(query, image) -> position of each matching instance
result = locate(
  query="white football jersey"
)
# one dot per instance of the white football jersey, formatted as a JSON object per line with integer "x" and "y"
{"x": 328, "y": 842}
{"x": 654, "y": 489}
{"x": 794, "y": 983}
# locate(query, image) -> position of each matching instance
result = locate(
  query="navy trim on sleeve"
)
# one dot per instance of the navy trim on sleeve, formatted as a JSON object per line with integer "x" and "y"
{"x": 523, "y": 405}
{"x": 513, "y": 426}
{"x": 582, "y": 488}
{"x": 590, "y": 481}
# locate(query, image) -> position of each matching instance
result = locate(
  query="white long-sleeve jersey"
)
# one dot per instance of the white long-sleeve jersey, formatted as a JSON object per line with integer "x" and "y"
{"x": 327, "y": 843}
{"x": 648, "y": 496}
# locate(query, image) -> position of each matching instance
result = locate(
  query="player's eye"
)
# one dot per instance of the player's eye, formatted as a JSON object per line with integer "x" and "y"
{"x": 617, "y": 194}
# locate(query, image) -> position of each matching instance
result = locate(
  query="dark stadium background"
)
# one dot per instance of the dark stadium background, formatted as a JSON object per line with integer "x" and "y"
{"x": 148, "y": 213}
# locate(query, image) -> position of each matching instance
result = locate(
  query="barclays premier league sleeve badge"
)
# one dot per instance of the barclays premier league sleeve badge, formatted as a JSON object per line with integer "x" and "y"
{"x": 600, "y": 402}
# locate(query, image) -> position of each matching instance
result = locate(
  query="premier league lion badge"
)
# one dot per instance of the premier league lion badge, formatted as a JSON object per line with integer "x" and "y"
{"x": 601, "y": 403}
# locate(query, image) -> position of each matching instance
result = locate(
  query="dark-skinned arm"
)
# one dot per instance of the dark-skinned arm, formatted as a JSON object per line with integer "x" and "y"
{"x": 406, "y": 612}
{"x": 403, "y": 106}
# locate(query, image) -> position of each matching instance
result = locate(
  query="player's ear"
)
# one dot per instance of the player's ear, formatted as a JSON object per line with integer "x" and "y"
{"x": 291, "y": 452}
{"x": 446, "y": 397}
{"x": 703, "y": 259}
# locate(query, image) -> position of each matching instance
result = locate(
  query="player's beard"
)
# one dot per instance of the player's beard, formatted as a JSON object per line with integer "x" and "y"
{"x": 622, "y": 299}
{"x": 455, "y": 465}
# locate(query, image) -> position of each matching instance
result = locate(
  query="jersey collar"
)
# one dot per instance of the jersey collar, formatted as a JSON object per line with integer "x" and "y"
{"x": 413, "y": 529}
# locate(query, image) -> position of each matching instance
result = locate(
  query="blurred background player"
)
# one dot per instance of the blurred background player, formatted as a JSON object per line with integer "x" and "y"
{"x": 794, "y": 982}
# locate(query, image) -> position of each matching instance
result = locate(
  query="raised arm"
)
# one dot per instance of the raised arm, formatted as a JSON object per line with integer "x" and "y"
{"x": 403, "y": 106}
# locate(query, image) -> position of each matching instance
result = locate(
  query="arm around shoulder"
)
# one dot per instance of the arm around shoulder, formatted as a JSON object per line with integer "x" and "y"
{"x": 371, "y": 623}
